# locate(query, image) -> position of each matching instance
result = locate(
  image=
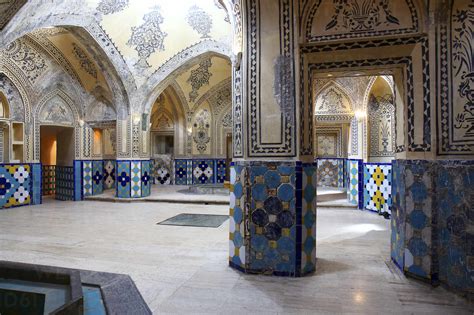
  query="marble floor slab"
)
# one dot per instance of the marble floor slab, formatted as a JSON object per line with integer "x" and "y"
{"x": 184, "y": 269}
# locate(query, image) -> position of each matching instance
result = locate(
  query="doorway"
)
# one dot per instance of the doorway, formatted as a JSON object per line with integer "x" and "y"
{"x": 57, "y": 157}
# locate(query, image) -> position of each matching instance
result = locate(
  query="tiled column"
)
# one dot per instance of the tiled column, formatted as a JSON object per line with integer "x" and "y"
{"x": 133, "y": 179}
{"x": 273, "y": 218}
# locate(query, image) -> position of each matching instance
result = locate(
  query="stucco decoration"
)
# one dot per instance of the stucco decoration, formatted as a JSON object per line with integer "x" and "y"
{"x": 326, "y": 145}
{"x": 201, "y": 130}
{"x": 13, "y": 96}
{"x": 222, "y": 98}
{"x": 100, "y": 112}
{"x": 112, "y": 6}
{"x": 56, "y": 111}
{"x": 336, "y": 19}
{"x": 227, "y": 120}
{"x": 25, "y": 57}
{"x": 199, "y": 77}
{"x": 8, "y": 8}
{"x": 463, "y": 68}
{"x": 381, "y": 114}
{"x": 332, "y": 101}
{"x": 200, "y": 21}
{"x": 86, "y": 64}
{"x": 148, "y": 37}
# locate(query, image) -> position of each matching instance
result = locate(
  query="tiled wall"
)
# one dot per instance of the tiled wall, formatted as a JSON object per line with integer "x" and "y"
{"x": 432, "y": 221}
{"x": 133, "y": 178}
{"x": 355, "y": 186}
{"x": 109, "y": 174}
{"x": 92, "y": 177}
{"x": 20, "y": 185}
{"x": 281, "y": 218}
{"x": 199, "y": 171}
{"x": 64, "y": 189}
{"x": 331, "y": 172}
{"x": 378, "y": 187}
{"x": 161, "y": 173}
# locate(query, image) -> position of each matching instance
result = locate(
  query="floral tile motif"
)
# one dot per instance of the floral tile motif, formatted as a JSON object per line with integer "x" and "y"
{"x": 109, "y": 174}
{"x": 183, "y": 172}
{"x": 97, "y": 177}
{"x": 123, "y": 179}
{"x": 203, "y": 171}
{"x": 146, "y": 178}
{"x": 136, "y": 185}
{"x": 161, "y": 172}
{"x": 87, "y": 180}
{"x": 15, "y": 185}
{"x": 378, "y": 187}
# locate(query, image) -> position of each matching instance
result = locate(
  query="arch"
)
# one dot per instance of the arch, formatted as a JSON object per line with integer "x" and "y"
{"x": 65, "y": 102}
{"x": 340, "y": 88}
{"x": 322, "y": 22}
{"x": 180, "y": 63}
{"x": 117, "y": 74}
{"x": 346, "y": 101}
{"x": 370, "y": 86}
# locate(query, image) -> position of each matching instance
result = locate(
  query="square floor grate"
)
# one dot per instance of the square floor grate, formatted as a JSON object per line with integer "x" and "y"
{"x": 198, "y": 220}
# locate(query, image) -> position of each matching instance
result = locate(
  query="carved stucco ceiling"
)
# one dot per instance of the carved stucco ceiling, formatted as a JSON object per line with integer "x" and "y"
{"x": 201, "y": 78}
{"x": 73, "y": 55}
{"x": 355, "y": 87}
{"x": 8, "y": 8}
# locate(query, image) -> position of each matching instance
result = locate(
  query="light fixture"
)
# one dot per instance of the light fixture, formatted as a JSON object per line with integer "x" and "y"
{"x": 81, "y": 122}
{"x": 136, "y": 118}
{"x": 360, "y": 114}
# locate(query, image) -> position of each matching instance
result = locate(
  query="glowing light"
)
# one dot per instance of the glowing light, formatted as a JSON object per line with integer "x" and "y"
{"x": 360, "y": 114}
{"x": 359, "y": 297}
{"x": 136, "y": 118}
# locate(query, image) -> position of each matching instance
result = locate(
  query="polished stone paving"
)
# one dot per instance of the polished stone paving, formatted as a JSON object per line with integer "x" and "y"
{"x": 184, "y": 269}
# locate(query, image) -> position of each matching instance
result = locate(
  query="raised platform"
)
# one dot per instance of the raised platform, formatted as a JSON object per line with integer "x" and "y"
{"x": 167, "y": 193}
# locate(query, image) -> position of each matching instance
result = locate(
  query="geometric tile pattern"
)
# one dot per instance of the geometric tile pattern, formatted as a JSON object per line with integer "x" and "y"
{"x": 97, "y": 177}
{"x": 109, "y": 174}
{"x": 281, "y": 233}
{"x": 36, "y": 181}
{"x": 136, "y": 182}
{"x": 133, "y": 178}
{"x": 454, "y": 181}
{"x": 203, "y": 171}
{"x": 161, "y": 172}
{"x": 331, "y": 172}
{"x": 432, "y": 221}
{"x": 237, "y": 246}
{"x": 397, "y": 218}
{"x": 220, "y": 171}
{"x": 378, "y": 187}
{"x": 146, "y": 178}
{"x": 183, "y": 172}
{"x": 123, "y": 179}
{"x": 15, "y": 185}
{"x": 198, "y": 171}
{"x": 64, "y": 183}
{"x": 78, "y": 181}
{"x": 49, "y": 179}
{"x": 418, "y": 219}
{"x": 308, "y": 217}
{"x": 354, "y": 182}
{"x": 87, "y": 178}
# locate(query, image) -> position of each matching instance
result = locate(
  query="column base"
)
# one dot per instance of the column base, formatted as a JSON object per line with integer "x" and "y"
{"x": 273, "y": 218}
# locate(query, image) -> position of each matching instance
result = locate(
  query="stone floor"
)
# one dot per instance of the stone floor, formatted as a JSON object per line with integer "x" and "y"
{"x": 184, "y": 269}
